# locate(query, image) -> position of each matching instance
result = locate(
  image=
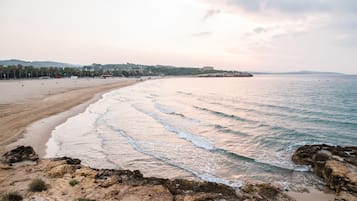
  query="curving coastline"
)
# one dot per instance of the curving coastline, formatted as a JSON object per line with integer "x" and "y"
{"x": 24, "y": 102}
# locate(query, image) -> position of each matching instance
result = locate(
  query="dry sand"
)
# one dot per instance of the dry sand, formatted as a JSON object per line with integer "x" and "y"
{"x": 23, "y": 102}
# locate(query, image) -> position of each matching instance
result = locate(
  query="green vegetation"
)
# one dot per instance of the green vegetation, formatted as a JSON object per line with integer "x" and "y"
{"x": 96, "y": 70}
{"x": 28, "y": 72}
{"x": 37, "y": 185}
{"x": 173, "y": 71}
{"x": 13, "y": 196}
{"x": 73, "y": 182}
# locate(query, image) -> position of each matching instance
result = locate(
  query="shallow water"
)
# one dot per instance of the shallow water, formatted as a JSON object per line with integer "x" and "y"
{"x": 226, "y": 130}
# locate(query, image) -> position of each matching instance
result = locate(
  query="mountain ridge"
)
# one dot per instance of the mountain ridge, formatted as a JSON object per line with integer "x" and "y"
{"x": 303, "y": 72}
{"x": 37, "y": 64}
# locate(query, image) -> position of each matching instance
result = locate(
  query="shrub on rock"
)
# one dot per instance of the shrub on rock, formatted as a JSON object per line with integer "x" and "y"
{"x": 37, "y": 185}
{"x": 13, "y": 196}
{"x": 73, "y": 182}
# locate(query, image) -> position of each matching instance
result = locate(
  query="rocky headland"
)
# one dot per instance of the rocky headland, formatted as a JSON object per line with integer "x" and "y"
{"x": 336, "y": 165}
{"x": 66, "y": 179}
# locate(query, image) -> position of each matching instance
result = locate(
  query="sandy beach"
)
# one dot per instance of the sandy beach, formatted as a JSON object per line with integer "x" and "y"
{"x": 23, "y": 102}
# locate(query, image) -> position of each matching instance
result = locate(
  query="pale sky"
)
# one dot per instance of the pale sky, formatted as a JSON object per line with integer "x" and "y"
{"x": 249, "y": 35}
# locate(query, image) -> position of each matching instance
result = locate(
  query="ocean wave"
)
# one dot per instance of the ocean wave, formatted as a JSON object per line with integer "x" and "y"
{"x": 222, "y": 114}
{"x": 198, "y": 141}
{"x": 303, "y": 112}
{"x": 268, "y": 167}
{"x": 137, "y": 145}
{"x": 167, "y": 110}
{"x": 225, "y": 129}
{"x": 204, "y": 143}
{"x": 184, "y": 93}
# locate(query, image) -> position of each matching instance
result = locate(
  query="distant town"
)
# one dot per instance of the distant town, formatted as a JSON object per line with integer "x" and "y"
{"x": 17, "y": 69}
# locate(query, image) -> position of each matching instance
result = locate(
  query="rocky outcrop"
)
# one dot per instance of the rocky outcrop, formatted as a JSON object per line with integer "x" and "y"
{"x": 71, "y": 161}
{"x": 177, "y": 189}
{"x": 263, "y": 191}
{"x": 108, "y": 184}
{"x": 22, "y": 153}
{"x": 336, "y": 165}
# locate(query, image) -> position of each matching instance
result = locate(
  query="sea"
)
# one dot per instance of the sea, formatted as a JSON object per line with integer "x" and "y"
{"x": 225, "y": 130}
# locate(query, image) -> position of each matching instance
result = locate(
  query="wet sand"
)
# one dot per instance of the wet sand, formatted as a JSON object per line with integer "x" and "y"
{"x": 23, "y": 102}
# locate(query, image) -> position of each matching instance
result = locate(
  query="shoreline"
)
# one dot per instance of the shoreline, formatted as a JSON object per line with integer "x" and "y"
{"x": 39, "y": 132}
{"x": 31, "y": 119}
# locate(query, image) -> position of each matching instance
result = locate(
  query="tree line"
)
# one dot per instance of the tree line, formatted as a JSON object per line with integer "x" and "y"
{"x": 28, "y": 72}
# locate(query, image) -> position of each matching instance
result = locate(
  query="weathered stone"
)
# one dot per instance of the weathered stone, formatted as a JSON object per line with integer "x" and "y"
{"x": 86, "y": 172}
{"x": 70, "y": 161}
{"x": 263, "y": 191}
{"x": 336, "y": 165}
{"x": 182, "y": 186}
{"x": 60, "y": 170}
{"x": 107, "y": 184}
{"x": 186, "y": 189}
{"x": 22, "y": 153}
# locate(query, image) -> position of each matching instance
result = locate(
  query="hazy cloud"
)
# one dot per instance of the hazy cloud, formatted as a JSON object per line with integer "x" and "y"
{"x": 259, "y": 30}
{"x": 202, "y": 34}
{"x": 294, "y": 6}
{"x": 211, "y": 13}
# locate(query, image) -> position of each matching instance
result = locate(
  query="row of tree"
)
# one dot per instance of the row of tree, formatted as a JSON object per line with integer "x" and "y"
{"x": 28, "y": 72}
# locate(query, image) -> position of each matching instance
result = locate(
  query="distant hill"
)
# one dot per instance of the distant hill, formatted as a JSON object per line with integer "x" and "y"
{"x": 36, "y": 63}
{"x": 297, "y": 73}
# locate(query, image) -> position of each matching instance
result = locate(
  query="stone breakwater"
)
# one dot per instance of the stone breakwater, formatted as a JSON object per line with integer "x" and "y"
{"x": 336, "y": 165}
{"x": 108, "y": 184}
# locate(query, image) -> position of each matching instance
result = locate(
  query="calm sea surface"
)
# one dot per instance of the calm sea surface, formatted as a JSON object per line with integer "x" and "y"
{"x": 227, "y": 130}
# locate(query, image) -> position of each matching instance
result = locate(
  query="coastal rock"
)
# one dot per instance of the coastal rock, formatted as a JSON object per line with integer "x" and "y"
{"x": 107, "y": 177}
{"x": 142, "y": 193}
{"x": 61, "y": 166}
{"x": 86, "y": 172}
{"x": 60, "y": 170}
{"x": 22, "y": 153}
{"x": 181, "y": 189}
{"x": 109, "y": 184}
{"x": 70, "y": 161}
{"x": 336, "y": 165}
{"x": 264, "y": 191}
{"x": 182, "y": 186}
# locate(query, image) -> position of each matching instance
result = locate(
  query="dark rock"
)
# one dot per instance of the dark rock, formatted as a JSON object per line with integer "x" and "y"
{"x": 336, "y": 165}
{"x": 262, "y": 192}
{"x": 182, "y": 186}
{"x": 22, "y": 153}
{"x": 69, "y": 161}
{"x": 178, "y": 187}
{"x": 108, "y": 177}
